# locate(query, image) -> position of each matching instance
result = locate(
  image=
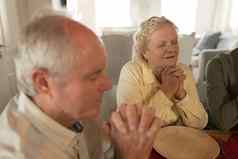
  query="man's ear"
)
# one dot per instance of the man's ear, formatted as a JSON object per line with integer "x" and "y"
{"x": 40, "y": 79}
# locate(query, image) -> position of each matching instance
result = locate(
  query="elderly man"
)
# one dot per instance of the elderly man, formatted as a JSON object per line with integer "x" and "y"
{"x": 60, "y": 68}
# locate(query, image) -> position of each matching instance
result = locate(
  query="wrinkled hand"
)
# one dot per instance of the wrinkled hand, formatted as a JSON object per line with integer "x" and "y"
{"x": 169, "y": 82}
{"x": 180, "y": 93}
{"x": 132, "y": 130}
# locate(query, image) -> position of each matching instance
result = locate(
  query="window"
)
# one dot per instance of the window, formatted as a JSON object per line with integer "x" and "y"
{"x": 181, "y": 12}
{"x": 112, "y": 13}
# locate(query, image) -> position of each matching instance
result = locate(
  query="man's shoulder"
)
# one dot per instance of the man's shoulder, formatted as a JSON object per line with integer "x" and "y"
{"x": 222, "y": 61}
{"x": 216, "y": 61}
{"x": 18, "y": 135}
{"x": 9, "y": 112}
{"x": 8, "y": 133}
{"x": 220, "y": 68}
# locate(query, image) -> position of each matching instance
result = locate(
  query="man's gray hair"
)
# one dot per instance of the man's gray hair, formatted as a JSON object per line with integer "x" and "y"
{"x": 45, "y": 44}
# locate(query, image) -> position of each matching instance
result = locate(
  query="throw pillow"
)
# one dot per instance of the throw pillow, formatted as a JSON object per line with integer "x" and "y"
{"x": 208, "y": 41}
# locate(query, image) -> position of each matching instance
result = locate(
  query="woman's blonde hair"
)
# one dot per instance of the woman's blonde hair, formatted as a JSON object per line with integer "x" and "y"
{"x": 144, "y": 32}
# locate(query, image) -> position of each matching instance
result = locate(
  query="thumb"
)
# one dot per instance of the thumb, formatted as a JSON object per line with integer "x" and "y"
{"x": 106, "y": 127}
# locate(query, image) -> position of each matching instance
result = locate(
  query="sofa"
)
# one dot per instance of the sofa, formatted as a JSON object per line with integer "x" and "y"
{"x": 224, "y": 44}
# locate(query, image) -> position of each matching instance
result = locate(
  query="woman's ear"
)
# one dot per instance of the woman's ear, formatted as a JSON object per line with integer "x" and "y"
{"x": 40, "y": 79}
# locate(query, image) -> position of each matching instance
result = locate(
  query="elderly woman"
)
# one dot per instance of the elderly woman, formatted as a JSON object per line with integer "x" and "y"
{"x": 153, "y": 78}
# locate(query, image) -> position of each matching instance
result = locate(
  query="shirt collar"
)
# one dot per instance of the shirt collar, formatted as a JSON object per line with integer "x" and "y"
{"x": 148, "y": 75}
{"x": 49, "y": 127}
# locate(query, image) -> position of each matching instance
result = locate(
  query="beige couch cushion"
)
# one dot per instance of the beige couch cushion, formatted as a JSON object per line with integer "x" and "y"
{"x": 119, "y": 49}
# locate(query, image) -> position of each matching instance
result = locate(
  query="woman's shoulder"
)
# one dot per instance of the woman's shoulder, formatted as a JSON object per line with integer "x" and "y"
{"x": 132, "y": 66}
{"x": 132, "y": 70}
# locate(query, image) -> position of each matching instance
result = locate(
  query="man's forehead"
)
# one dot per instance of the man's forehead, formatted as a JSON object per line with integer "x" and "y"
{"x": 86, "y": 45}
{"x": 73, "y": 28}
{"x": 83, "y": 38}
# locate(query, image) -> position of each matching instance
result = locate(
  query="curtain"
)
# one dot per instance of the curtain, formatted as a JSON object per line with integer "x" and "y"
{"x": 213, "y": 15}
{"x": 14, "y": 15}
{"x": 143, "y": 9}
{"x": 222, "y": 15}
{"x": 6, "y": 65}
{"x": 234, "y": 15}
{"x": 1, "y": 35}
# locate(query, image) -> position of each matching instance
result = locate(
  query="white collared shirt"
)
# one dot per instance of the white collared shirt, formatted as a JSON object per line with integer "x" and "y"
{"x": 28, "y": 133}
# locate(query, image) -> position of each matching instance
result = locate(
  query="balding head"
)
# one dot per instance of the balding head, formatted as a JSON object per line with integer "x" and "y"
{"x": 61, "y": 66}
{"x": 48, "y": 43}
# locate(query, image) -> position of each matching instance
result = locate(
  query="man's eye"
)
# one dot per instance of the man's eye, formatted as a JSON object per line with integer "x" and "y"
{"x": 93, "y": 78}
{"x": 161, "y": 45}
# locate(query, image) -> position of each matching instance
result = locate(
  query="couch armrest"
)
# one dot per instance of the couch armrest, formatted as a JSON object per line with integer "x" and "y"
{"x": 204, "y": 57}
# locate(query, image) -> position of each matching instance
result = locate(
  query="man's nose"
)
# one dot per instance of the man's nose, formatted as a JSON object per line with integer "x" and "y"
{"x": 106, "y": 84}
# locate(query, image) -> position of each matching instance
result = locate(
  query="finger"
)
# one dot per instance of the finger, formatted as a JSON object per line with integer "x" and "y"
{"x": 169, "y": 71}
{"x": 155, "y": 126}
{"x": 158, "y": 70}
{"x": 132, "y": 117}
{"x": 181, "y": 77}
{"x": 178, "y": 72}
{"x": 106, "y": 127}
{"x": 139, "y": 110}
{"x": 165, "y": 70}
{"x": 164, "y": 74}
{"x": 122, "y": 111}
{"x": 168, "y": 74}
{"x": 146, "y": 119}
{"x": 173, "y": 70}
{"x": 117, "y": 122}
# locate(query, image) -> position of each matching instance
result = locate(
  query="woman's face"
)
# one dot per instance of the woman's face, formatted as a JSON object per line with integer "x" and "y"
{"x": 162, "y": 48}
